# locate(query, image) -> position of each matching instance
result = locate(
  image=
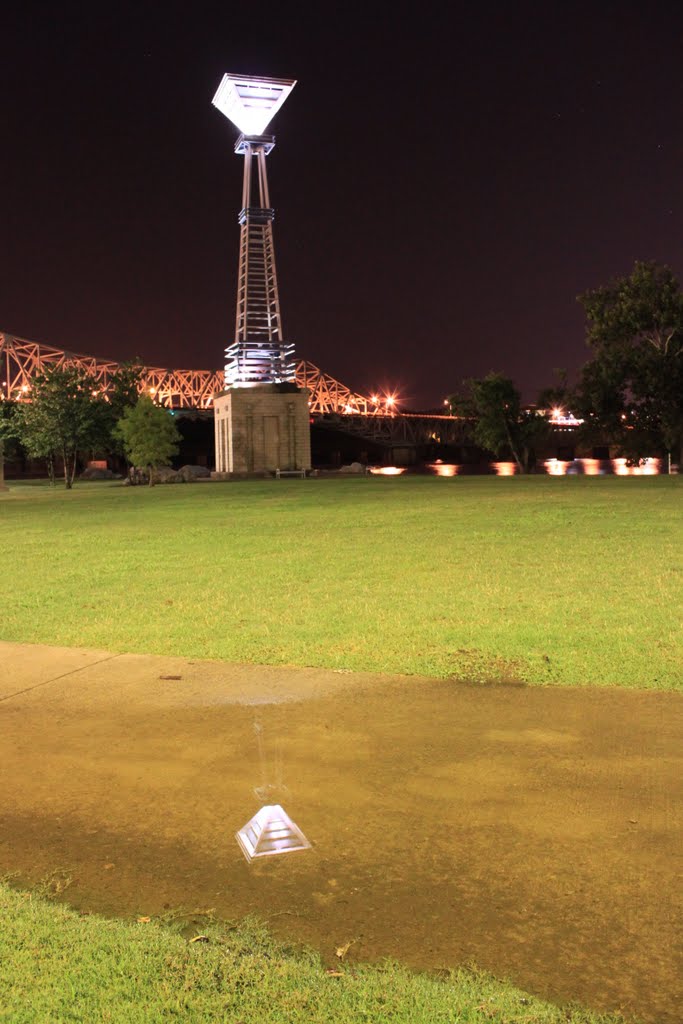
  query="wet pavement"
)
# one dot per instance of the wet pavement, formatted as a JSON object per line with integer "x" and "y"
{"x": 536, "y": 832}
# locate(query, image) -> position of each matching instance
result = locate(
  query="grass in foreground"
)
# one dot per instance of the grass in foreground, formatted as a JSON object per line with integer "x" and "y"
{"x": 56, "y": 966}
{"x": 574, "y": 581}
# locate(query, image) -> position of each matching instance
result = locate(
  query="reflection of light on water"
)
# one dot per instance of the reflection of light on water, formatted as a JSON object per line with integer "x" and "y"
{"x": 648, "y": 467}
{"x": 269, "y": 832}
{"x": 554, "y": 467}
{"x": 586, "y": 467}
{"x": 598, "y": 467}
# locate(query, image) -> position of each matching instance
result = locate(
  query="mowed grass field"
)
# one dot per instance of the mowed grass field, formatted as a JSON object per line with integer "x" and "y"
{"x": 572, "y": 581}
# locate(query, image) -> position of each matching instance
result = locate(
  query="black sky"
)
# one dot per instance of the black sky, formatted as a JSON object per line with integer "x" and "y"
{"x": 448, "y": 177}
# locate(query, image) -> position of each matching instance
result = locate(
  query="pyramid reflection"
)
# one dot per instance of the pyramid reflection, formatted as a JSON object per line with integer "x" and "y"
{"x": 270, "y": 831}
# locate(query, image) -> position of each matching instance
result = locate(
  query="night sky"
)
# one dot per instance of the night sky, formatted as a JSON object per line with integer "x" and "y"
{"x": 447, "y": 179}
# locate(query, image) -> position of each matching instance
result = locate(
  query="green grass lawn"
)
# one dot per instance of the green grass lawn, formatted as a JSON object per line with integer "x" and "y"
{"x": 58, "y": 967}
{"x": 571, "y": 580}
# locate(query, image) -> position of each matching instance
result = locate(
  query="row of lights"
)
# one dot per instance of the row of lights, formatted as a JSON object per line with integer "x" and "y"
{"x": 389, "y": 402}
{"x": 557, "y": 415}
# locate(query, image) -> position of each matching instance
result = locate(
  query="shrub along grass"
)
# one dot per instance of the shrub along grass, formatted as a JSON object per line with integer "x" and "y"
{"x": 572, "y": 580}
{"x": 56, "y": 966}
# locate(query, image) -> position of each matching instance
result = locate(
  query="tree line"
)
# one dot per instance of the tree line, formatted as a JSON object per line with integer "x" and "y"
{"x": 630, "y": 391}
{"x": 69, "y": 417}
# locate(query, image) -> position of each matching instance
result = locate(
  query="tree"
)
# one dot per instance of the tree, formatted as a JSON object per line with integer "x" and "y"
{"x": 632, "y": 388}
{"x": 149, "y": 435}
{"x": 8, "y": 423}
{"x": 61, "y": 418}
{"x": 8, "y": 434}
{"x": 495, "y": 405}
{"x": 121, "y": 393}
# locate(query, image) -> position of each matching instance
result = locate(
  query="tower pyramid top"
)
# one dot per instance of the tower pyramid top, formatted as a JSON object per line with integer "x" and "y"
{"x": 251, "y": 102}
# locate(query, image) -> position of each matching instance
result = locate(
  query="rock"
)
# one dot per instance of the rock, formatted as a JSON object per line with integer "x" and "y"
{"x": 166, "y": 475}
{"x": 355, "y": 467}
{"x": 191, "y": 473}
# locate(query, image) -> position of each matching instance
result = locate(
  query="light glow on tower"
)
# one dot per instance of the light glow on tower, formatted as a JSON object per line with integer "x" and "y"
{"x": 251, "y": 103}
{"x": 259, "y": 354}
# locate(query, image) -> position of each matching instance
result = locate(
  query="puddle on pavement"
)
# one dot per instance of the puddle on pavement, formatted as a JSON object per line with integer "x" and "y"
{"x": 534, "y": 833}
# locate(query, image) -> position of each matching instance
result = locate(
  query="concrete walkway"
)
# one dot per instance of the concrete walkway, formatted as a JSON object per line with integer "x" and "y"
{"x": 534, "y": 831}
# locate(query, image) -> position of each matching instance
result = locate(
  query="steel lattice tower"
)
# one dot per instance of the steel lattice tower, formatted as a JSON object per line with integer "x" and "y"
{"x": 259, "y": 354}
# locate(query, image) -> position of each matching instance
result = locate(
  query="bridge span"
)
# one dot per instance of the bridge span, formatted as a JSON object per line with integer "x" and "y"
{"x": 332, "y": 404}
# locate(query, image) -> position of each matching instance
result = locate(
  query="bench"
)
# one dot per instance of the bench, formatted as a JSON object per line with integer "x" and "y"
{"x": 290, "y": 472}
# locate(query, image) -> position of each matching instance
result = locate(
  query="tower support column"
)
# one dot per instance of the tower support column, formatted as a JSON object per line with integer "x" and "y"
{"x": 262, "y": 418}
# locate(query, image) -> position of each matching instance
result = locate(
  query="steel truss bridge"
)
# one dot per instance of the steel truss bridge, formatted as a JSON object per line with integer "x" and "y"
{"x": 331, "y": 403}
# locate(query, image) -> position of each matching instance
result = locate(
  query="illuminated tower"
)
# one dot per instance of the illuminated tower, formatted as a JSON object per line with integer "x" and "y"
{"x": 262, "y": 421}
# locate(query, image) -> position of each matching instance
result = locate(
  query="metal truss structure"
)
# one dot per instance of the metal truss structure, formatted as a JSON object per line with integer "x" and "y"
{"x": 331, "y": 403}
{"x": 259, "y": 354}
{"x": 21, "y": 361}
{"x": 330, "y": 396}
{"x": 401, "y": 429}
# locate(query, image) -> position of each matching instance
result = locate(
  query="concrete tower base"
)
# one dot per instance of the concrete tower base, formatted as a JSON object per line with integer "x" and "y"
{"x": 261, "y": 429}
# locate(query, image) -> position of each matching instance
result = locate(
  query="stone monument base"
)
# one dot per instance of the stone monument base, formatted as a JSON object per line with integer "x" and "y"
{"x": 261, "y": 429}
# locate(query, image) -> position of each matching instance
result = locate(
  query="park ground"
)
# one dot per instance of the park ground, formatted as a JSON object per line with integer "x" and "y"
{"x": 458, "y": 813}
{"x": 577, "y": 581}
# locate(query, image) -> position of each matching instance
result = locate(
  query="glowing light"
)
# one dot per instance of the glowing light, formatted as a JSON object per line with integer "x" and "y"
{"x": 251, "y": 102}
{"x": 391, "y": 400}
{"x": 444, "y": 468}
{"x": 505, "y": 468}
{"x": 648, "y": 467}
{"x": 24, "y": 387}
{"x": 152, "y": 391}
{"x": 374, "y": 399}
{"x": 270, "y": 831}
{"x": 387, "y": 470}
{"x": 555, "y": 468}
{"x": 601, "y": 467}
{"x": 560, "y": 418}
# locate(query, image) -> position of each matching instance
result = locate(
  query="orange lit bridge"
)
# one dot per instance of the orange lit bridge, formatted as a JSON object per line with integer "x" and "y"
{"x": 332, "y": 404}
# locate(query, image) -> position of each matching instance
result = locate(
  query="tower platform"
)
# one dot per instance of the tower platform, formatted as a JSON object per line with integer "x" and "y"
{"x": 261, "y": 429}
